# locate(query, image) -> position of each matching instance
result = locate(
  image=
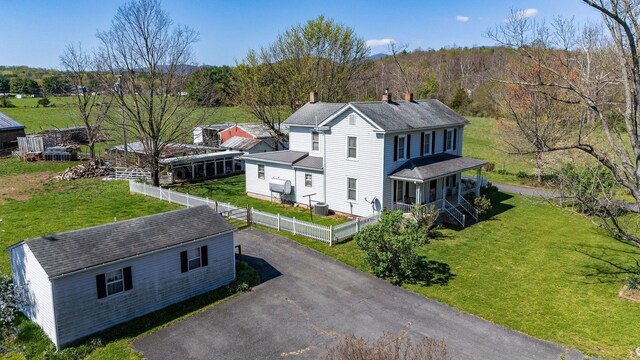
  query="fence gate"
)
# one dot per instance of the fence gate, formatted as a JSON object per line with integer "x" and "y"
{"x": 240, "y": 218}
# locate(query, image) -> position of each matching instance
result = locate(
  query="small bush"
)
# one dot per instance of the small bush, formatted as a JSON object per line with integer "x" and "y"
{"x": 425, "y": 216}
{"x": 482, "y": 204}
{"x": 389, "y": 347}
{"x": 633, "y": 282}
{"x": 5, "y": 102}
{"x": 488, "y": 190}
{"x": 490, "y": 167}
{"x": 44, "y": 102}
{"x": 522, "y": 175}
{"x": 502, "y": 172}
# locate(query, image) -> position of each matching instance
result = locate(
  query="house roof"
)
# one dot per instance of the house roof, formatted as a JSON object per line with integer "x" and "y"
{"x": 189, "y": 159}
{"x": 287, "y": 157}
{"x": 72, "y": 251}
{"x": 307, "y": 114}
{"x": 241, "y": 143}
{"x": 260, "y": 131}
{"x": 389, "y": 116}
{"x": 435, "y": 166}
{"x": 309, "y": 162}
{"x": 7, "y": 123}
{"x": 170, "y": 148}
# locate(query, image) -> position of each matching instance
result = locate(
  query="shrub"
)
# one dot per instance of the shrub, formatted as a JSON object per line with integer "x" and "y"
{"x": 425, "y": 217}
{"x": 11, "y": 300}
{"x": 522, "y": 175}
{"x": 390, "y": 246}
{"x": 482, "y": 204}
{"x": 502, "y": 172}
{"x": 44, "y": 102}
{"x": 5, "y": 102}
{"x": 633, "y": 282}
{"x": 389, "y": 347}
{"x": 490, "y": 167}
{"x": 488, "y": 190}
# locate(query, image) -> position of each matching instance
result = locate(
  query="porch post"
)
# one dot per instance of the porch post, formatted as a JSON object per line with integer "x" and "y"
{"x": 459, "y": 185}
{"x": 478, "y": 181}
{"x": 418, "y": 193}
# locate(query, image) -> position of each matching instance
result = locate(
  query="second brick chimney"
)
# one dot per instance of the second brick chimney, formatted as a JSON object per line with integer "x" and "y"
{"x": 386, "y": 96}
{"x": 313, "y": 97}
{"x": 408, "y": 97}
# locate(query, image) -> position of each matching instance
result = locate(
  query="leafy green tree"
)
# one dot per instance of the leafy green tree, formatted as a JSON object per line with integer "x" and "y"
{"x": 4, "y": 84}
{"x": 208, "y": 86}
{"x": 390, "y": 246}
{"x": 11, "y": 300}
{"x": 24, "y": 86}
{"x": 55, "y": 85}
{"x": 460, "y": 100}
{"x": 428, "y": 88}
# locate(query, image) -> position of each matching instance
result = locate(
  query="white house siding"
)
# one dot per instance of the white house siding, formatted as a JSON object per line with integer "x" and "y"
{"x": 390, "y": 165}
{"x": 261, "y": 186}
{"x": 317, "y": 188}
{"x": 366, "y": 169}
{"x": 27, "y": 271}
{"x": 157, "y": 283}
{"x": 300, "y": 140}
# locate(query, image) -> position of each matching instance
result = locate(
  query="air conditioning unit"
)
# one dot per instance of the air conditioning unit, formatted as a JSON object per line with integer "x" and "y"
{"x": 321, "y": 209}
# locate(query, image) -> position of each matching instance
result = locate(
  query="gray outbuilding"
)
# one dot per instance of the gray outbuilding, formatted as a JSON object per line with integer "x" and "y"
{"x": 85, "y": 281}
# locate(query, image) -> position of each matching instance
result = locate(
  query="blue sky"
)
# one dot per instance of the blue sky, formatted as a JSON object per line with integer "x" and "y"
{"x": 36, "y": 32}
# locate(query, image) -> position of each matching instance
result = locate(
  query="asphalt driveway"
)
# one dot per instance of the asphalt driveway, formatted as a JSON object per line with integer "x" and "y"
{"x": 308, "y": 301}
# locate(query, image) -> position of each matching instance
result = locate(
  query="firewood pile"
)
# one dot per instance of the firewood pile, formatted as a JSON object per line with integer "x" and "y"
{"x": 86, "y": 171}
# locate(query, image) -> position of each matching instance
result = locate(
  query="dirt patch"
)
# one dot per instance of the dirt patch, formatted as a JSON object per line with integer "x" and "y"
{"x": 20, "y": 187}
{"x": 629, "y": 294}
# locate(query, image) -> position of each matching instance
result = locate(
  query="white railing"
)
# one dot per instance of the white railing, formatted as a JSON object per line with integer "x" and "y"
{"x": 451, "y": 210}
{"x": 327, "y": 234}
{"x": 468, "y": 207}
{"x": 132, "y": 173}
{"x": 405, "y": 208}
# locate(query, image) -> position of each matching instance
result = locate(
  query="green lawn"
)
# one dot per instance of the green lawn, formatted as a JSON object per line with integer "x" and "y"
{"x": 14, "y": 166}
{"x": 525, "y": 268}
{"x": 232, "y": 189}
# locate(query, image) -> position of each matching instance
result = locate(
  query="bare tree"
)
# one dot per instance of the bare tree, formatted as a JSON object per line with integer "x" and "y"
{"x": 93, "y": 104}
{"x": 146, "y": 59}
{"x": 589, "y": 74}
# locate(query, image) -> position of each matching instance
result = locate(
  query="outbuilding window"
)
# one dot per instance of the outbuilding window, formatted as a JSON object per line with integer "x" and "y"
{"x": 192, "y": 259}
{"x": 114, "y": 282}
{"x": 308, "y": 181}
{"x": 260, "y": 171}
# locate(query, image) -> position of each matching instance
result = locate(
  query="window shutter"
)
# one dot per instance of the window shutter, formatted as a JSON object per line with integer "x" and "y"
{"x": 421, "y": 143}
{"x": 395, "y": 148}
{"x": 128, "y": 281}
{"x": 433, "y": 142}
{"x": 444, "y": 140}
{"x": 408, "y": 146}
{"x": 184, "y": 261}
{"x": 455, "y": 137}
{"x": 204, "y": 256}
{"x": 101, "y": 285}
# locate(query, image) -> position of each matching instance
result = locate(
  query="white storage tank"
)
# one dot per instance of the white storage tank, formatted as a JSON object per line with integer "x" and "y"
{"x": 280, "y": 186}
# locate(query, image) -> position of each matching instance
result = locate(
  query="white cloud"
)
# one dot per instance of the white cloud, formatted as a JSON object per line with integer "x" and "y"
{"x": 526, "y": 13}
{"x": 379, "y": 42}
{"x": 462, "y": 18}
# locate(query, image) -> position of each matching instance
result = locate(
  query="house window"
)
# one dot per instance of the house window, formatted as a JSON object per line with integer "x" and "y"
{"x": 427, "y": 143}
{"x": 308, "y": 180}
{"x": 193, "y": 258}
{"x": 449, "y": 140}
{"x": 315, "y": 141}
{"x": 352, "y": 119}
{"x": 115, "y": 282}
{"x": 352, "y": 147}
{"x": 401, "y": 150}
{"x": 260, "y": 171}
{"x": 352, "y": 189}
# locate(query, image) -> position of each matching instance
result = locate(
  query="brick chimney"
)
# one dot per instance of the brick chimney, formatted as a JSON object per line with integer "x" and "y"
{"x": 408, "y": 97}
{"x": 386, "y": 96}
{"x": 313, "y": 97}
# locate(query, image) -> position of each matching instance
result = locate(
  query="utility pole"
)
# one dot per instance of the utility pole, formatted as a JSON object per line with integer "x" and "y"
{"x": 310, "y": 211}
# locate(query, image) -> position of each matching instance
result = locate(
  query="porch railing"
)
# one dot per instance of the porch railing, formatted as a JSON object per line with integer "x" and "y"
{"x": 450, "y": 209}
{"x": 405, "y": 208}
{"x": 468, "y": 207}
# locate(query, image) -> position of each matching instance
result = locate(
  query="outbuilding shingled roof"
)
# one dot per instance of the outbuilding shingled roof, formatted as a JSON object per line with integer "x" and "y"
{"x": 7, "y": 123}
{"x": 72, "y": 251}
{"x": 435, "y": 166}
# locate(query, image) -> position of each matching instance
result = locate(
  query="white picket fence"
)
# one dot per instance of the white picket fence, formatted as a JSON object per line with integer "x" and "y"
{"x": 328, "y": 234}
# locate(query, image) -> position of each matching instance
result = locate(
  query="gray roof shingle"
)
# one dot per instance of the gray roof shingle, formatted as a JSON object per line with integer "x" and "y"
{"x": 71, "y": 251}
{"x": 306, "y": 115}
{"x": 309, "y": 162}
{"x": 435, "y": 166}
{"x": 261, "y": 131}
{"x": 240, "y": 143}
{"x": 287, "y": 157}
{"x": 7, "y": 123}
{"x": 393, "y": 116}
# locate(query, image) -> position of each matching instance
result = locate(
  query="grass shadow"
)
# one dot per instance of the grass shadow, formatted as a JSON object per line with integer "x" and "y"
{"x": 611, "y": 265}
{"x": 432, "y": 272}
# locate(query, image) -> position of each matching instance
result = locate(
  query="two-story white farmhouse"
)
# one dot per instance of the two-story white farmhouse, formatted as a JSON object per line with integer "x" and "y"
{"x": 360, "y": 157}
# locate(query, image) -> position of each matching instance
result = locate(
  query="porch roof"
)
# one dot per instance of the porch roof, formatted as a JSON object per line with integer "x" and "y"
{"x": 431, "y": 167}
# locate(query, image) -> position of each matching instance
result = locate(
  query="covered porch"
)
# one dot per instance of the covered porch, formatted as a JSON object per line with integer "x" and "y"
{"x": 439, "y": 181}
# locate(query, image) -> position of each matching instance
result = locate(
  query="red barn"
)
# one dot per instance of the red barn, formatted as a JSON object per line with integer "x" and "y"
{"x": 253, "y": 131}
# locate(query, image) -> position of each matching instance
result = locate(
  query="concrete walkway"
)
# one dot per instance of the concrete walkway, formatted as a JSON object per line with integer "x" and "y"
{"x": 308, "y": 302}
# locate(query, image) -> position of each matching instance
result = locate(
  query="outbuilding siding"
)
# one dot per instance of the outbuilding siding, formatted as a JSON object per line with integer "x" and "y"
{"x": 157, "y": 283}
{"x": 28, "y": 272}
